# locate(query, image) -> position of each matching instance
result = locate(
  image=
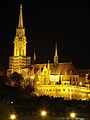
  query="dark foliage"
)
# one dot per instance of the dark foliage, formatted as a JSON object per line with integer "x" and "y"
{"x": 16, "y": 77}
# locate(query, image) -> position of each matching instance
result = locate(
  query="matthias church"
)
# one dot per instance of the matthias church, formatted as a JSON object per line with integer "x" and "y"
{"x": 51, "y": 79}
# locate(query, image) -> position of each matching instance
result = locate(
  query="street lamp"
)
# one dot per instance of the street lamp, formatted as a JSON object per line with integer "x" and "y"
{"x": 43, "y": 114}
{"x": 72, "y": 115}
{"x": 13, "y": 117}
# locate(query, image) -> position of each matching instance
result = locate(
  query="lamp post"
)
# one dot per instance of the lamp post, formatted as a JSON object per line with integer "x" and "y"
{"x": 43, "y": 114}
{"x": 72, "y": 115}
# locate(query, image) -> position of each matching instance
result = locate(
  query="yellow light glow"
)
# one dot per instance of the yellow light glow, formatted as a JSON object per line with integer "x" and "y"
{"x": 80, "y": 83}
{"x": 43, "y": 113}
{"x": 72, "y": 115}
{"x": 12, "y": 117}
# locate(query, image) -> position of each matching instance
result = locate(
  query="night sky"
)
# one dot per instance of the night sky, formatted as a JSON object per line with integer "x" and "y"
{"x": 47, "y": 22}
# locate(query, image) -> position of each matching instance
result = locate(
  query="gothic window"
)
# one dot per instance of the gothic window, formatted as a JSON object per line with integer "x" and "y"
{"x": 20, "y": 51}
{"x": 63, "y": 89}
{"x": 68, "y": 89}
{"x": 44, "y": 72}
{"x": 73, "y": 79}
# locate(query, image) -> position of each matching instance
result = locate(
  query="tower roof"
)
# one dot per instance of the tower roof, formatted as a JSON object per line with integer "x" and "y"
{"x": 20, "y": 24}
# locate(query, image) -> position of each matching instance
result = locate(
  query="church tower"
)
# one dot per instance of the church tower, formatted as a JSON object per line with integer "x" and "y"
{"x": 20, "y": 38}
{"x": 56, "y": 55}
{"x": 19, "y": 61}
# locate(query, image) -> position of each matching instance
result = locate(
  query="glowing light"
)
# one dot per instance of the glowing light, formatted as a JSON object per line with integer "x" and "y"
{"x": 12, "y": 117}
{"x": 11, "y": 102}
{"x": 43, "y": 113}
{"x": 72, "y": 115}
{"x": 80, "y": 83}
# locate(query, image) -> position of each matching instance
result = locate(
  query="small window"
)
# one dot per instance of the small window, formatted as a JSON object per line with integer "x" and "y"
{"x": 76, "y": 78}
{"x": 63, "y": 89}
{"x": 73, "y": 79}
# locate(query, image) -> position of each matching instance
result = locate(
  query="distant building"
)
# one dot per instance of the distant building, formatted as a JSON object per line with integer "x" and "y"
{"x": 52, "y": 79}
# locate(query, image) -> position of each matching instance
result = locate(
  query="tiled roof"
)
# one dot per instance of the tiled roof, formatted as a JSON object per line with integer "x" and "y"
{"x": 61, "y": 68}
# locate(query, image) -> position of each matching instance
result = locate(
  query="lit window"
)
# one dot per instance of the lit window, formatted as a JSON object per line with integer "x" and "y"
{"x": 80, "y": 83}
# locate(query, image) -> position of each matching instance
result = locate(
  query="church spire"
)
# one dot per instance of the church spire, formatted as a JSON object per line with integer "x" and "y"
{"x": 20, "y": 24}
{"x": 48, "y": 64}
{"x": 56, "y": 55}
{"x": 56, "y": 50}
{"x": 34, "y": 58}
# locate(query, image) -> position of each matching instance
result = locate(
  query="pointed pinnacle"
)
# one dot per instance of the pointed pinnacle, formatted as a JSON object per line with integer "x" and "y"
{"x": 34, "y": 54}
{"x": 56, "y": 50}
{"x": 20, "y": 24}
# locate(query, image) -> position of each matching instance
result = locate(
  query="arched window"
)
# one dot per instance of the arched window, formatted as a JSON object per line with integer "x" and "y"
{"x": 73, "y": 79}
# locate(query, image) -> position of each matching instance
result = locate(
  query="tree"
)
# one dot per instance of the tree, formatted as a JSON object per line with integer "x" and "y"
{"x": 16, "y": 77}
{"x": 29, "y": 89}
